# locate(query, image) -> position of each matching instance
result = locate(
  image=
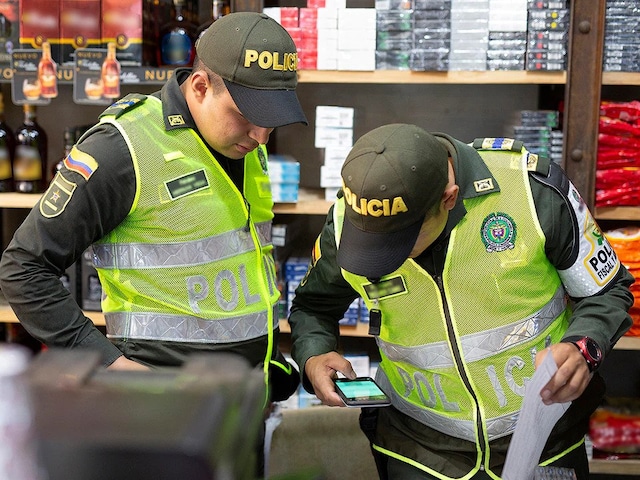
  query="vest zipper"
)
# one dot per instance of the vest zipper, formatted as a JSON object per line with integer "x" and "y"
{"x": 460, "y": 364}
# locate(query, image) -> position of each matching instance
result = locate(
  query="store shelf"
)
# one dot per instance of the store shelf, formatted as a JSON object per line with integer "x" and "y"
{"x": 617, "y": 213}
{"x": 159, "y": 75}
{"x": 614, "y": 467}
{"x": 311, "y": 202}
{"x": 7, "y": 315}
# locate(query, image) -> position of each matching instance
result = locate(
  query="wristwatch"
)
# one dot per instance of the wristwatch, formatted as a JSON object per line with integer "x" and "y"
{"x": 590, "y": 350}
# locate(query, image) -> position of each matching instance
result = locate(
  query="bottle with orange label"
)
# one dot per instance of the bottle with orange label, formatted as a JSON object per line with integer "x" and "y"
{"x": 111, "y": 73}
{"x": 47, "y": 73}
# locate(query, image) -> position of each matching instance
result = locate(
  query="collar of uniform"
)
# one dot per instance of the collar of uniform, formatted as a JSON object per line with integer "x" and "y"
{"x": 174, "y": 106}
{"x": 469, "y": 168}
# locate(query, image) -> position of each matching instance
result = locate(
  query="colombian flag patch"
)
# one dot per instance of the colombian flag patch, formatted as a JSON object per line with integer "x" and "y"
{"x": 81, "y": 163}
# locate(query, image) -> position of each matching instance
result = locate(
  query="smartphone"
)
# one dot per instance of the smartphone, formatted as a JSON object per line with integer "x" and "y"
{"x": 361, "y": 392}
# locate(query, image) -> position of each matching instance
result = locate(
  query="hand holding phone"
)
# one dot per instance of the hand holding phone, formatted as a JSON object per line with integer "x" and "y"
{"x": 361, "y": 392}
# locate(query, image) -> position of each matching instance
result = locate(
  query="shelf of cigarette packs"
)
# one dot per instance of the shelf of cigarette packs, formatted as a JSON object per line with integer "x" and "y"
{"x": 159, "y": 75}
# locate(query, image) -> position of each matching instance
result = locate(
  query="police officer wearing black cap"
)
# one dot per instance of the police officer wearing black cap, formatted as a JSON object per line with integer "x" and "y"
{"x": 172, "y": 191}
{"x": 475, "y": 262}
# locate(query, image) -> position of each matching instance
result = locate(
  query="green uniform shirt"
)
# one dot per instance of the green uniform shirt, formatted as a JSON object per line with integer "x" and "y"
{"x": 324, "y": 296}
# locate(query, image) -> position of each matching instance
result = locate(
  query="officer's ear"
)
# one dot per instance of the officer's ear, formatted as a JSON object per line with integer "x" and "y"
{"x": 198, "y": 83}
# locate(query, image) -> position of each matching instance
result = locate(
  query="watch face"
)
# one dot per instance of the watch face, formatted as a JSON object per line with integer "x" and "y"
{"x": 593, "y": 349}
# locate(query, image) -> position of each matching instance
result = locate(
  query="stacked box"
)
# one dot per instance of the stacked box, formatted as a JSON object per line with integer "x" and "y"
{"x": 469, "y": 35}
{"x": 431, "y": 35}
{"x": 327, "y": 24}
{"x": 537, "y": 129}
{"x": 79, "y": 27}
{"x": 334, "y": 133}
{"x": 39, "y": 23}
{"x": 10, "y": 27}
{"x": 295, "y": 269}
{"x": 284, "y": 175}
{"x": 394, "y": 34}
{"x": 548, "y": 29}
{"x": 622, "y": 36}
{"x": 308, "y": 45}
{"x": 122, "y": 24}
{"x": 507, "y": 46}
{"x": 352, "y": 314}
{"x": 357, "y": 39}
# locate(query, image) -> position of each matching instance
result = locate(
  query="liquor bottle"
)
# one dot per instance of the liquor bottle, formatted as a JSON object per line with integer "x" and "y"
{"x": 219, "y": 8}
{"x": 177, "y": 39}
{"x": 68, "y": 142}
{"x": 7, "y": 150}
{"x": 111, "y": 73}
{"x": 47, "y": 73}
{"x": 29, "y": 165}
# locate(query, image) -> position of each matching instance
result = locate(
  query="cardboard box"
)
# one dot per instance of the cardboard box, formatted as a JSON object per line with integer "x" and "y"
{"x": 79, "y": 27}
{"x": 9, "y": 29}
{"x": 122, "y": 24}
{"x": 39, "y": 23}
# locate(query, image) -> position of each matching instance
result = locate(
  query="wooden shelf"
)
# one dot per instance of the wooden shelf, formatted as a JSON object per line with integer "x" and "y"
{"x": 617, "y": 213}
{"x": 619, "y": 467}
{"x": 311, "y": 202}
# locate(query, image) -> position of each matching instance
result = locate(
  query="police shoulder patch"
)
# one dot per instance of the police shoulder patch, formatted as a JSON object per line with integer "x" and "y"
{"x": 57, "y": 196}
{"x": 498, "y": 143}
{"x": 124, "y": 104}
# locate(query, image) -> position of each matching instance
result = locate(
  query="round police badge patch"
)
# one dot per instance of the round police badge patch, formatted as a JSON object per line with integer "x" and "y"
{"x": 498, "y": 232}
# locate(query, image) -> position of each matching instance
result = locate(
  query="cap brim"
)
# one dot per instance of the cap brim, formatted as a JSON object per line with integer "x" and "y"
{"x": 267, "y": 108}
{"x": 374, "y": 255}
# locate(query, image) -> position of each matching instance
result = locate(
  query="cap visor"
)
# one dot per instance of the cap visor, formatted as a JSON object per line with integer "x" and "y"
{"x": 374, "y": 255}
{"x": 267, "y": 108}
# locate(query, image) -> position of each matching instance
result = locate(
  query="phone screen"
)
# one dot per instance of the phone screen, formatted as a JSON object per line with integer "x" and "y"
{"x": 362, "y": 391}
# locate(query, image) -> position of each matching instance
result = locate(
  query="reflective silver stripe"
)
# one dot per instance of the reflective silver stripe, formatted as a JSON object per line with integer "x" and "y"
{"x": 167, "y": 255}
{"x": 480, "y": 345}
{"x": 177, "y": 328}
{"x": 465, "y": 429}
{"x": 456, "y": 428}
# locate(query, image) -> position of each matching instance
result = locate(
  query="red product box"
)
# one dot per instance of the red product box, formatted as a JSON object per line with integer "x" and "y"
{"x": 122, "y": 24}
{"x": 40, "y": 22}
{"x": 308, "y": 18}
{"x": 10, "y": 10}
{"x": 316, "y": 3}
{"x": 289, "y": 17}
{"x": 79, "y": 27}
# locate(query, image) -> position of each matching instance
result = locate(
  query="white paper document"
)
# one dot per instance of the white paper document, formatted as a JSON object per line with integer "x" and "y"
{"x": 534, "y": 425}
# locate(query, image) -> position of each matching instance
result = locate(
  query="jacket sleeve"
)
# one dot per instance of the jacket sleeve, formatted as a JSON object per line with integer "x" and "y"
{"x": 49, "y": 241}
{"x": 320, "y": 302}
{"x": 602, "y": 314}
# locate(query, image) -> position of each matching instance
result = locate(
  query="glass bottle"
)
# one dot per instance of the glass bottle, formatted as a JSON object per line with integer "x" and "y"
{"x": 68, "y": 142}
{"x": 177, "y": 39}
{"x": 47, "y": 73}
{"x": 29, "y": 165}
{"x": 219, "y": 8}
{"x": 7, "y": 150}
{"x": 111, "y": 73}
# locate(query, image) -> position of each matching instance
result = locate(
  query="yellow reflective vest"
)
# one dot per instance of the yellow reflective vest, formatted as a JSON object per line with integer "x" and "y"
{"x": 192, "y": 261}
{"x": 458, "y": 349}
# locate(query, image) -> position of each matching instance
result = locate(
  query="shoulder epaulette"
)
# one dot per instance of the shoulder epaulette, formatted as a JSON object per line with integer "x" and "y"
{"x": 538, "y": 164}
{"x": 124, "y": 104}
{"x": 499, "y": 143}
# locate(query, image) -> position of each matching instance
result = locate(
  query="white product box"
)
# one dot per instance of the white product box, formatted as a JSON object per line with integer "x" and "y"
{"x": 357, "y": 39}
{"x": 330, "y": 177}
{"x": 327, "y": 19}
{"x": 335, "y": 156}
{"x": 356, "y": 18}
{"x": 360, "y": 60}
{"x": 333, "y": 137}
{"x": 326, "y": 63}
{"x": 335, "y": 4}
{"x": 331, "y": 194}
{"x": 273, "y": 12}
{"x": 330, "y": 116}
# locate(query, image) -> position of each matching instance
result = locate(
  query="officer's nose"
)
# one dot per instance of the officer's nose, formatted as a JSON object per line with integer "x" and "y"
{"x": 260, "y": 134}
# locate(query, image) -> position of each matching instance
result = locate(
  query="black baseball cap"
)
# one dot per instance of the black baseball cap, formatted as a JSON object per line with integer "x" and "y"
{"x": 391, "y": 178}
{"x": 258, "y": 62}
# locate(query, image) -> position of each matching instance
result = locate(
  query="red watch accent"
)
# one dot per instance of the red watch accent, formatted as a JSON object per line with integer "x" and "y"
{"x": 591, "y": 352}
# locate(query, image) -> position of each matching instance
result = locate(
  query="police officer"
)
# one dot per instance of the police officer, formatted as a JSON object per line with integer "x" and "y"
{"x": 172, "y": 191}
{"x": 475, "y": 262}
